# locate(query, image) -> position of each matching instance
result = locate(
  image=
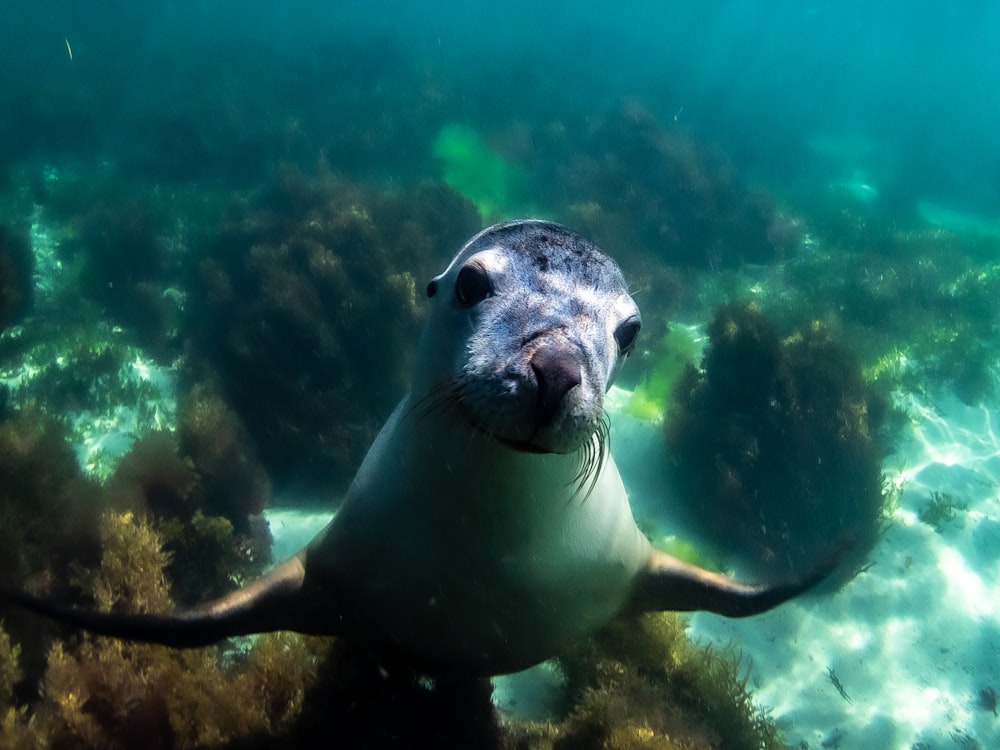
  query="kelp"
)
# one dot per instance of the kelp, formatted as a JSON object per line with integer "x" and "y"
{"x": 105, "y": 693}
{"x": 638, "y": 684}
{"x": 780, "y": 437}
{"x": 304, "y": 313}
{"x": 641, "y": 683}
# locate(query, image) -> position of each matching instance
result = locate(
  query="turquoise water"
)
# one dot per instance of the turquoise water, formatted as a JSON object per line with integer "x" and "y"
{"x": 217, "y": 220}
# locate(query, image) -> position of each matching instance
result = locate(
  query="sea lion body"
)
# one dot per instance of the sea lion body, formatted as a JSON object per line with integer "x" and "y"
{"x": 488, "y": 527}
{"x": 476, "y": 554}
{"x": 491, "y": 565}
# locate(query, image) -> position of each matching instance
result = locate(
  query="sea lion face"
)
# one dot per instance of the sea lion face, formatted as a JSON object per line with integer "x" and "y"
{"x": 530, "y": 323}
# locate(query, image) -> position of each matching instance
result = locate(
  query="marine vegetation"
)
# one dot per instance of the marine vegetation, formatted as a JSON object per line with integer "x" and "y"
{"x": 663, "y": 366}
{"x": 304, "y": 312}
{"x": 230, "y": 479}
{"x": 16, "y": 268}
{"x": 922, "y": 305}
{"x": 227, "y": 539}
{"x": 16, "y": 733}
{"x": 638, "y": 684}
{"x": 111, "y": 251}
{"x": 43, "y": 496}
{"x": 119, "y": 252}
{"x": 44, "y": 499}
{"x": 103, "y": 693}
{"x": 642, "y": 684}
{"x": 780, "y": 437}
{"x": 496, "y": 186}
{"x": 941, "y": 509}
{"x": 634, "y": 183}
{"x": 205, "y": 492}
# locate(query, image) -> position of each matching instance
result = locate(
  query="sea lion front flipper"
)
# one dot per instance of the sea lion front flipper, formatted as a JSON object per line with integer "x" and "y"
{"x": 279, "y": 601}
{"x": 668, "y": 583}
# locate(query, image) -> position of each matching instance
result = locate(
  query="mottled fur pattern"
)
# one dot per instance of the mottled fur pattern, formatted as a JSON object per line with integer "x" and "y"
{"x": 550, "y": 288}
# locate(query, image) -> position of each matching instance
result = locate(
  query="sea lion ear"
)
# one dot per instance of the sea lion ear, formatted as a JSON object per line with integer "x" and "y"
{"x": 433, "y": 284}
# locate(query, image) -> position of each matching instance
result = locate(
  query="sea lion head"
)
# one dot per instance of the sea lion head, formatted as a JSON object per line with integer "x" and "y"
{"x": 529, "y": 325}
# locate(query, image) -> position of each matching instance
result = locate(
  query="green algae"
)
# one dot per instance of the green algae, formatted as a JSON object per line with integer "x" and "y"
{"x": 494, "y": 185}
{"x": 650, "y": 399}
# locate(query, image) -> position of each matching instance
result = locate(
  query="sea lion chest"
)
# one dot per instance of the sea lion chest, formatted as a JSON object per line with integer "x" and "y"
{"x": 462, "y": 552}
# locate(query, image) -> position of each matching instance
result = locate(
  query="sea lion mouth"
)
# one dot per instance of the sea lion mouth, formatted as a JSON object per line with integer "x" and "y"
{"x": 592, "y": 452}
{"x": 452, "y": 400}
{"x": 538, "y": 443}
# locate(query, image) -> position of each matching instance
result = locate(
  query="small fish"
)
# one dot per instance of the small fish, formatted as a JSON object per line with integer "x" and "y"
{"x": 987, "y": 699}
{"x": 836, "y": 683}
{"x": 69, "y": 50}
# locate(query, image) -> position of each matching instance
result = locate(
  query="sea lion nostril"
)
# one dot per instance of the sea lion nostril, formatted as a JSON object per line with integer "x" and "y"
{"x": 557, "y": 371}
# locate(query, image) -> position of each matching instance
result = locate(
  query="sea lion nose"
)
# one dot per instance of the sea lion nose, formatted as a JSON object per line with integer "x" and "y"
{"x": 557, "y": 371}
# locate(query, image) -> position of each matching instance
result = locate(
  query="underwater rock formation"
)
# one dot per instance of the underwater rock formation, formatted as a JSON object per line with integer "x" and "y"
{"x": 780, "y": 439}
{"x": 304, "y": 311}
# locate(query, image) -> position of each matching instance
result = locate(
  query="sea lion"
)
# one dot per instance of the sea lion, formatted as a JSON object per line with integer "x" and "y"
{"x": 488, "y": 526}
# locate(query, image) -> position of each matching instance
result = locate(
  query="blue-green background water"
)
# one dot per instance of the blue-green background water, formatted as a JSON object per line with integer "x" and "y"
{"x": 912, "y": 85}
{"x": 243, "y": 201}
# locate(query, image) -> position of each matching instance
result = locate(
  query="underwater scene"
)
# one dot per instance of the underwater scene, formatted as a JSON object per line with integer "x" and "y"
{"x": 223, "y": 228}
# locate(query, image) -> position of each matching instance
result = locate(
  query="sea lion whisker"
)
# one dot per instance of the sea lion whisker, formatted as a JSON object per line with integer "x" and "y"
{"x": 598, "y": 451}
{"x": 603, "y": 446}
{"x": 586, "y": 453}
{"x": 592, "y": 454}
{"x": 436, "y": 400}
{"x": 423, "y": 406}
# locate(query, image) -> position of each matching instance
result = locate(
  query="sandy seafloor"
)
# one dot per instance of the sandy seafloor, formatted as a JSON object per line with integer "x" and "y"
{"x": 912, "y": 640}
{"x": 915, "y": 637}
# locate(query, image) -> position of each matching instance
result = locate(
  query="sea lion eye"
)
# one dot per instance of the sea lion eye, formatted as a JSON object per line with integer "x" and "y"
{"x": 625, "y": 335}
{"x": 472, "y": 285}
